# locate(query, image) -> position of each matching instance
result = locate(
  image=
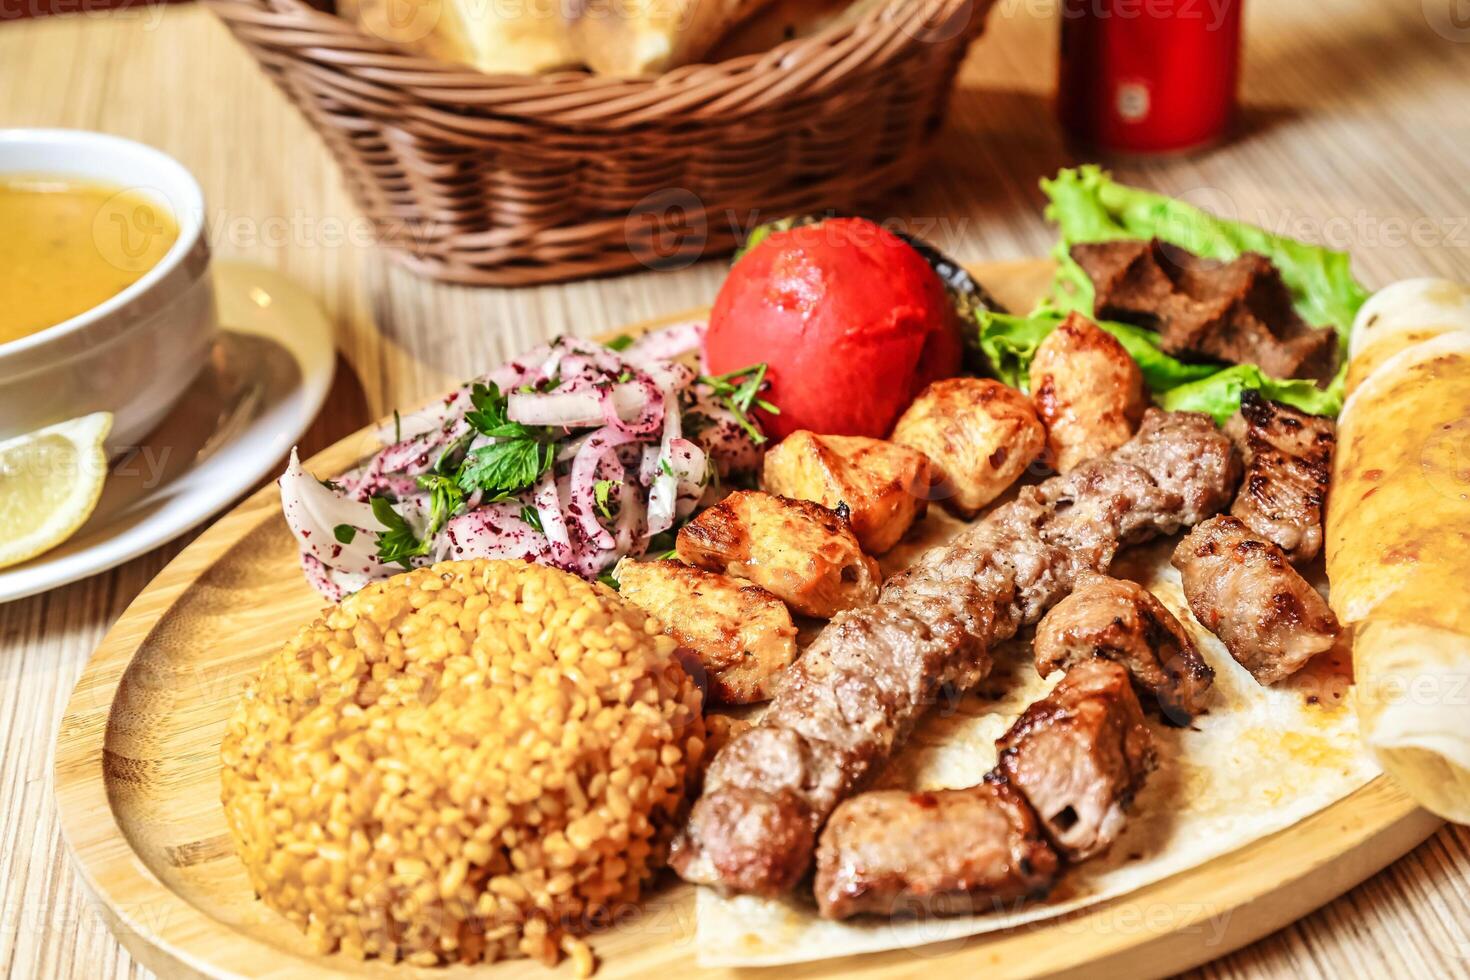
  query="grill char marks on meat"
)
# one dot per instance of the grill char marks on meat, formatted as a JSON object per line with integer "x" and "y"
{"x": 1123, "y": 622}
{"x": 872, "y": 673}
{"x": 1288, "y": 457}
{"x": 1079, "y": 756}
{"x": 1243, "y": 590}
{"x": 1238, "y": 311}
{"x": 952, "y": 852}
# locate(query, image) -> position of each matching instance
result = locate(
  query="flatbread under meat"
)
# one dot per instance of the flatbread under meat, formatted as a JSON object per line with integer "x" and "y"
{"x": 857, "y": 692}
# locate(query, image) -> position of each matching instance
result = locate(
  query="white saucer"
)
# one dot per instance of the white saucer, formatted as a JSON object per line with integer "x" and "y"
{"x": 263, "y": 385}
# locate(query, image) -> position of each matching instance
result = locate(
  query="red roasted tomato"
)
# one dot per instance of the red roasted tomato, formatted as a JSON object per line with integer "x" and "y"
{"x": 852, "y": 321}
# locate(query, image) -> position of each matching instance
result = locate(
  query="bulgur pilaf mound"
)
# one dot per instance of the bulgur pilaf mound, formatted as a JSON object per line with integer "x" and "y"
{"x": 467, "y": 762}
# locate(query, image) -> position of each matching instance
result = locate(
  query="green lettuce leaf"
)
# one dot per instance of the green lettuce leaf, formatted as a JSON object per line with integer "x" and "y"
{"x": 1089, "y": 206}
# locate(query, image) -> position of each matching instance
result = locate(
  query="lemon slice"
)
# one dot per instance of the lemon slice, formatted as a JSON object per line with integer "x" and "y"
{"x": 50, "y": 481}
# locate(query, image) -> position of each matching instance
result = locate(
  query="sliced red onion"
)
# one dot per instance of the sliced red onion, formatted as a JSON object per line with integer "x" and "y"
{"x": 569, "y": 408}
{"x": 635, "y": 408}
{"x": 595, "y": 460}
{"x": 628, "y": 535}
{"x": 494, "y": 531}
{"x": 667, "y": 343}
{"x": 663, "y": 495}
{"x": 670, "y": 376}
{"x": 553, "y": 523}
{"x": 314, "y": 512}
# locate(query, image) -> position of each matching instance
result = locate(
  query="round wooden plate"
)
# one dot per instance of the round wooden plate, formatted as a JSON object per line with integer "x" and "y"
{"x": 137, "y": 785}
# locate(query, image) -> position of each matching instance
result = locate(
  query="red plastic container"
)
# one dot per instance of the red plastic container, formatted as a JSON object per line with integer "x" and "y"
{"x": 1148, "y": 76}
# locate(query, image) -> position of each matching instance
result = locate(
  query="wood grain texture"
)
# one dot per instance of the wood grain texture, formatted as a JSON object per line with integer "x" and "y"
{"x": 1355, "y": 134}
{"x": 137, "y": 786}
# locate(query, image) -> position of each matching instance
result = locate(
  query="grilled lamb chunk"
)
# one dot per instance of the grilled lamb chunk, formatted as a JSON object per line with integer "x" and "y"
{"x": 1184, "y": 451}
{"x": 1079, "y": 755}
{"x": 858, "y": 690}
{"x": 1244, "y": 591}
{"x": 952, "y": 852}
{"x": 1288, "y": 462}
{"x": 1122, "y": 621}
{"x": 1238, "y": 311}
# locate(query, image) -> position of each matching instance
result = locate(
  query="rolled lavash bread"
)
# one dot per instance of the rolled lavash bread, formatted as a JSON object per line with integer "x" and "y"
{"x": 1398, "y": 536}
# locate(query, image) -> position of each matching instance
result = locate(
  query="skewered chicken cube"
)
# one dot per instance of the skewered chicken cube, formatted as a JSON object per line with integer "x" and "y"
{"x": 882, "y": 484}
{"x": 803, "y": 552}
{"x": 979, "y": 436}
{"x": 1088, "y": 392}
{"x": 742, "y": 635}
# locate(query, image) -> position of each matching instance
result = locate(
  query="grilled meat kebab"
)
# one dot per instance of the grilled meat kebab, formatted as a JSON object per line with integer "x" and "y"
{"x": 1243, "y": 589}
{"x": 951, "y": 852}
{"x": 1288, "y": 462}
{"x": 1122, "y": 621}
{"x": 857, "y": 692}
{"x": 1069, "y": 768}
{"x": 1079, "y": 755}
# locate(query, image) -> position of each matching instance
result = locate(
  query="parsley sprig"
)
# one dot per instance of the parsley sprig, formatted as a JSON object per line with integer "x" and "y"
{"x": 514, "y": 461}
{"x": 498, "y": 471}
{"x": 739, "y": 391}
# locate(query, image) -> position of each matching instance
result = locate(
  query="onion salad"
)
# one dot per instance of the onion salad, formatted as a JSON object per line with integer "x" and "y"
{"x": 573, "y": 455}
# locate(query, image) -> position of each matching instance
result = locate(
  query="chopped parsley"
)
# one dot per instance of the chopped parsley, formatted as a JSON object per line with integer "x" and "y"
{"x": 344, "y": 533}
{"x": 621, "y": 342}
{"x": 397, "y": 543}
{"x": 531, "y": 516}
{"x": 739, "y": 391}
{"x": 513, "y": 462}
{"x": 663, "y": 464}
{"x": 600, "y": 491}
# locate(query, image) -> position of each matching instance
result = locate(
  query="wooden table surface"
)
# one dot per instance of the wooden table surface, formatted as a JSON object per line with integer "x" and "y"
{"x": 1355, "y": 133}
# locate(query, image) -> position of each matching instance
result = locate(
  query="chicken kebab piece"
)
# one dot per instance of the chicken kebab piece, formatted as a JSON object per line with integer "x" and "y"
{"x": 800, "y": 551}
{"x": 978, "y": 435}
{"x": 883, "y": 485}
{"x": 1122, "y": 621}
{"x": 1068, "y": 770}
{"x": 858, "y": 690}
{"x": 741, "y": 635}
{"x": 1088, "y": 392}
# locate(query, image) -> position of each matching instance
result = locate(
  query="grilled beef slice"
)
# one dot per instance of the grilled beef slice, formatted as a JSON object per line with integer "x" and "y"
{"x": 1239, "y": 311}
{"x": 1288, "y": 457}
{"x": 951, "y": 852}
{"x": 1122, "y": 621}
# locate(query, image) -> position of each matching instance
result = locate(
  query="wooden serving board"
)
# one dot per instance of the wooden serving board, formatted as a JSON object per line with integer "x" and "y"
{"x": 137, "y": 785}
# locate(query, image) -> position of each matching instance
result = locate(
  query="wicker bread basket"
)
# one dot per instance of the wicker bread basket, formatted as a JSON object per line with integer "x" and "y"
{"x": 514, "y": 180}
